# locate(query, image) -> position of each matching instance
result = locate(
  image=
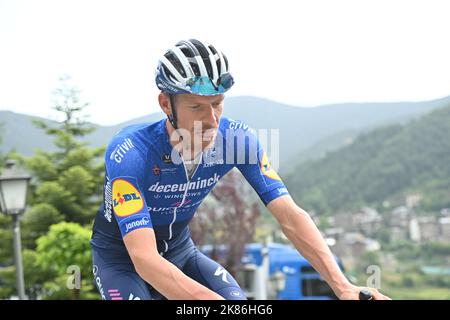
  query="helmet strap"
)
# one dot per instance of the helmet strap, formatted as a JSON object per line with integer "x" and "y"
{"x": 173, "y": 117}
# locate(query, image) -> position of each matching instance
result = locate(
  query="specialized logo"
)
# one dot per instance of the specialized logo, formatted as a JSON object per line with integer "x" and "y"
{"x": 267, "y": 169}
{"x": 213, "y": 163}
{"x": 120, "y": 150}
{"x": 132, "y": 297}
{"x": 213, "y": 157}
{"x": 126, "y": 198}
{"x": 221, "y": 272}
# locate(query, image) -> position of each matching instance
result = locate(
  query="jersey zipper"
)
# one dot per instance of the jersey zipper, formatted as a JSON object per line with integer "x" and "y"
{"x": 184, "y": 195}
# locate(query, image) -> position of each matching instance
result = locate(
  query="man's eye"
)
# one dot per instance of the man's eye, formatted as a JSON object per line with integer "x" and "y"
{"x": 195, "y": 107}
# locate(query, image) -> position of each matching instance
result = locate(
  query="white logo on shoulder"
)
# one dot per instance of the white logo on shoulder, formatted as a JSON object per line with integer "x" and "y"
{"x": 238, "y": 125}
{"x": 121, "y": 149}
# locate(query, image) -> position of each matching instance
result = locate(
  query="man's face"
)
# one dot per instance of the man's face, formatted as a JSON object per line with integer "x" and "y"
{"x": 200, "y": 116}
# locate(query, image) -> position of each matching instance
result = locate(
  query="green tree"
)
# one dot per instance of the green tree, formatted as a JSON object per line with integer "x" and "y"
{"x": 6, "y": 243}
{"x": 66, "y": 245}
{"x": 73, "y": 166}
{"x": 36, "y": 222}
{"x": 34, "y": 276}
{"x": 66, "y": 186}
{"x": 67, "y": 183}
{"x": 2, "y": 159}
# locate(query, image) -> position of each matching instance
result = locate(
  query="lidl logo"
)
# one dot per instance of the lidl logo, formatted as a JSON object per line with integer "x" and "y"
{"x": 126, "y": 198}
{"x": 267, "y": 169}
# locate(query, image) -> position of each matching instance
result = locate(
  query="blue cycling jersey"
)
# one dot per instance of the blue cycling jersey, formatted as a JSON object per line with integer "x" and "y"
{"x": 147, "y": 185}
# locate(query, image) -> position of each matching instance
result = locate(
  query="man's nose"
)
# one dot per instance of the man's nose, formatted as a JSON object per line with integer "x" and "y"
{"x": 210, "y": 115}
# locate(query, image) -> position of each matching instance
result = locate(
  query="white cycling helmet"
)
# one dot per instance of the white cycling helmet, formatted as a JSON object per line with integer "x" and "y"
{"x": 196, "y": 67}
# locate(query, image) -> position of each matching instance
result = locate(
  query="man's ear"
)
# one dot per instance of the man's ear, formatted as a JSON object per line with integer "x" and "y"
{"x": 164, "y": 103}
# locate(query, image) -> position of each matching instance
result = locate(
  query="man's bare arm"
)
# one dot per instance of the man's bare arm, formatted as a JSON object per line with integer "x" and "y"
{"x": 301, "y": 230}
{"x": 164, "y": 276}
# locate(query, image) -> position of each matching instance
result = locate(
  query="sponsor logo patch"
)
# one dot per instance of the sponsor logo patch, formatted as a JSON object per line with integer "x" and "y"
{"x": 193, "y": 185}
{"x": 108, "y": 200}
{"x": 126, "y": 198}
{"x": 267, "y": 169}
{"x": 137, "y": 224}
{"x": 166, "y": 158}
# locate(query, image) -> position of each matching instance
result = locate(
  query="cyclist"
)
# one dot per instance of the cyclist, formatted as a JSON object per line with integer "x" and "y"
{"x": 158, "y": 174}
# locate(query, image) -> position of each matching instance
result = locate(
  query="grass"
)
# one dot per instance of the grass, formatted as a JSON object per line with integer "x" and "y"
{"x": 417, "y": 293}
{"x": 393, "y": 285}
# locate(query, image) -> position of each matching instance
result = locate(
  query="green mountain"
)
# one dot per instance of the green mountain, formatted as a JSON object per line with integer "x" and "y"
{"x": 299, "y": 128}
{"x": 327, "y": 144}
{"x": 18, "y": 132}
{"x": 302, "y": 128}
{"x": 383, "y": 164}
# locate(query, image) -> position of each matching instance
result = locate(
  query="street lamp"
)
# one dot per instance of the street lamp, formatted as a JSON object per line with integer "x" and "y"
{"x": 278, "y": 280}
{"x": 13, "y": 194}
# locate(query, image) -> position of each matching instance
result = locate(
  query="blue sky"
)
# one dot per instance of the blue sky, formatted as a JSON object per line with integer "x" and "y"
{"x": 304, "y": 53}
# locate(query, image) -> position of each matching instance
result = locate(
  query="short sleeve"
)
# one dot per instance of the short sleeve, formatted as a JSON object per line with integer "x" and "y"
{"x": 125, "y": 169}
{"x": 256, "y": 167}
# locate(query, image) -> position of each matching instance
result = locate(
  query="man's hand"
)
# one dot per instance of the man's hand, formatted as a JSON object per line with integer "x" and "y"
{"x": 352, "y": 293}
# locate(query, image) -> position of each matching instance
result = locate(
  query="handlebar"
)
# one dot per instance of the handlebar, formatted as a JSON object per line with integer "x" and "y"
{"x": 365, "y": 295}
